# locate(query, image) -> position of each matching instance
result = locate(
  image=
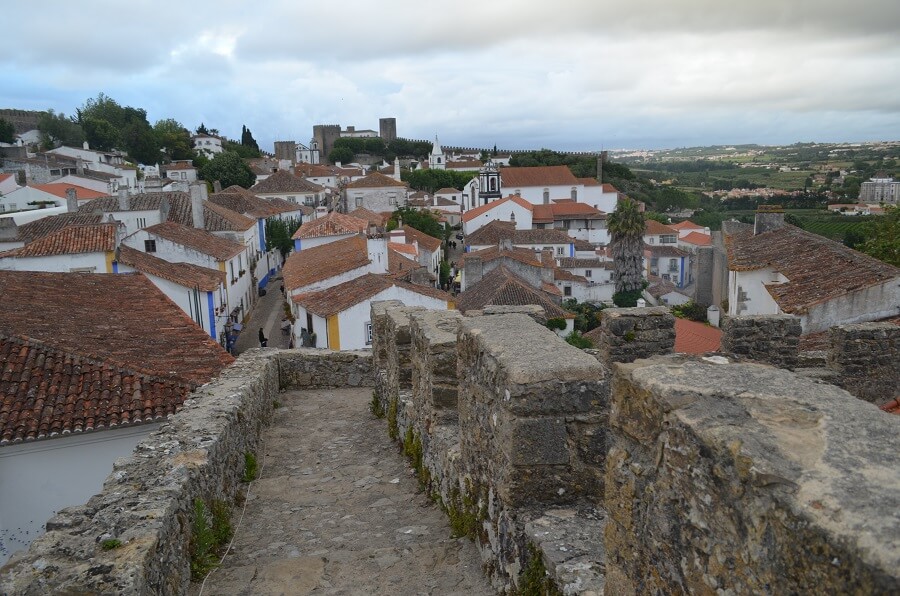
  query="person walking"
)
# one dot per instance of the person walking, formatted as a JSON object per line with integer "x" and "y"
{"x": 263, "y": 341}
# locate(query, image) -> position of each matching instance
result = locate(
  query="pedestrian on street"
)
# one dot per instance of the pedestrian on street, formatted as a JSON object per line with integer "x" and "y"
{"x": 263, "y": 341}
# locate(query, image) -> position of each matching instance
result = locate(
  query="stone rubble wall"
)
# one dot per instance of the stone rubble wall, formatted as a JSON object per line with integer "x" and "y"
{"x": 627, "y": 334}
{"x": 147, "y": 500}
{"x": 772, "y": 339}
{"x": 866, "y": 360}
{"x": 744, "y": 479}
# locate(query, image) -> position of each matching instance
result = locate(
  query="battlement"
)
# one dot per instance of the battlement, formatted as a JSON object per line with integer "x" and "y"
{"x": 625, "y": 469}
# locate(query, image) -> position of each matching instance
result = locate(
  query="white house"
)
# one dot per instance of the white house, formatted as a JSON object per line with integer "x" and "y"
{"x": 339, "y": 317}
{"x": 74, "y": 248}
{"x": 376, "y": 192}
{"x": 198, "y": 291}
{"x": 60, "y": 446}
{"x": 208, "y": 144}
{"x": 775, "y": 268}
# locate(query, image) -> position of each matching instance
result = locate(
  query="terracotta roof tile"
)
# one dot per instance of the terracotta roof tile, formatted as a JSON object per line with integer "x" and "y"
{"x": 500, "y": 287}
{"x": 339, "y": 298}
{"x": 692, "y": 337}
{"x": 184, "y": 274}
{"x": 332, "y": 224}
{"x": 282, "y": 182}
{"x": 70, "y": 240}
{"x": 538, "y": 176}
{"x": 376, "y": 180}
{"x": 312, "y": 265}
{"x": 473, "y": 213}
{"x": 202, "y": 241}
{"x": 697, "y": 239}
{"x": 59, "y": 189}
{"x": 818, "y": 269}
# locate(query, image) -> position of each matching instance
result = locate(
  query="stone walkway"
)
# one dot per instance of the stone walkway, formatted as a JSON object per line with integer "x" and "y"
{"x": 337, "y": 511}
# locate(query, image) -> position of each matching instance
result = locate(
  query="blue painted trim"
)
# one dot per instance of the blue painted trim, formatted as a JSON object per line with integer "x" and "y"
{"x": 264, "y": 281}
{"x": 261, "y": 224}
{"x": 212, "y": 315}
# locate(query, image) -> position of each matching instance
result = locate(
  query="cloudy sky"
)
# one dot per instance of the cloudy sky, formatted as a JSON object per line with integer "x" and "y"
{"x": 565, "y": 74}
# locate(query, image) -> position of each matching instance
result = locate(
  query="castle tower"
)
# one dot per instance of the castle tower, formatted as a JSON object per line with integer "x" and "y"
{"x": 489, "y": 184}
{"x": 437, "y": 160}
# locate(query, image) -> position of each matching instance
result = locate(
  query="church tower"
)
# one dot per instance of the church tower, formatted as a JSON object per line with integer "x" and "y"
{"x": 488, "y": 184}
{"x": 437, "y": 160}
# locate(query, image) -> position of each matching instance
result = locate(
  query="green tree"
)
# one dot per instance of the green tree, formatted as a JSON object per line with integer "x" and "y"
{"x": 57, "y": 129}
{"x": 174, "y": 138}
{"x": 7, "y": 131}
{"x": 626, "y": 227}
{"x": 883, "y": 239}
{"x": 247, "y": 139}
{"x": 341, "y": 154}
{"x": 229, "y": 169}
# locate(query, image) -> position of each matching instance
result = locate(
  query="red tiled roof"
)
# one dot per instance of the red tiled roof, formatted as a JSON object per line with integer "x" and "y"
{"x": 282, "y": 182}
{"x": 70, "y": 240}
{"x": 339, "y": 298}
{"x": 538, "y": 176}
{"x": 429, "y": 243}
{"x": 692, "y": 337}
{"x": 686, "y": 225}
{"x": 202, "y": 241}
{"x": 697, "y": 238}
{"x": 654, "y": 228}
{"x": 63, "y": 369}
{"x": 332, "y": 224}
{"x": 59, "y": 189}
{"x": 818, "y": 269}
{"x": 500, "y": 287}
{"x": 473, "y": 213}
{"x": 312, "y": 265}
{"x": 376, "y": 180}
{"x": 183, "y": 274}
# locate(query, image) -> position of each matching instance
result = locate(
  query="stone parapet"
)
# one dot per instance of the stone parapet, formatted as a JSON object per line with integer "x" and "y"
{"x": 866, "y": 360}
{"x": 147, "y": 501}
{"x": 772, "y": 339}
{"x": 627, "y": 334}
{"x": 532, "y": 413}
{"x": 743, "y": 479}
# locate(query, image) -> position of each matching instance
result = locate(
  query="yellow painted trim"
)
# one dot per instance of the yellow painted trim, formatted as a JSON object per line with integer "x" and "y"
{"x": 110, "y": 257}
{"x": 334, "y": 333}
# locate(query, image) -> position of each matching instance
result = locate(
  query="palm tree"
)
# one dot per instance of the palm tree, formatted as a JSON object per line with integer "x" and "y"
{"x": 626, "y": 226}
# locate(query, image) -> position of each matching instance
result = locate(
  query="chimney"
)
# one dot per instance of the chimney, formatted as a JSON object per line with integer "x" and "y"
{"x": 123, "y": 199}
{"x": 71, "y": 200}
{"x": 9, "y": 231}
{"x": 197, "y": 192}
{"x": 473, "y": 271}
{"x": 79, "y": 166}
{"x": 768, "y": 218}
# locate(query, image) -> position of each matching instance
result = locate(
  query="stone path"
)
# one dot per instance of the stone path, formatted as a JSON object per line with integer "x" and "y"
{"x": 337, "y": 511}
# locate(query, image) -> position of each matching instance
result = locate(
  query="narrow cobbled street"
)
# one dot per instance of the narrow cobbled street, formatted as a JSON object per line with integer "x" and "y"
{"x": 337, "y": 510}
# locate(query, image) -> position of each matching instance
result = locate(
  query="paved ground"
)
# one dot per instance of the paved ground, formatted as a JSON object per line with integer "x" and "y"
{"x": 267, "y": 314}
{"x": 337, "y": 511}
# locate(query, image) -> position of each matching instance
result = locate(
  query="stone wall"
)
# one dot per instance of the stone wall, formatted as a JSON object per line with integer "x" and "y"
{"x": 866, "y": 360}
{"x": 147, "y": 501}
{"x": 773, "y": 339}
{"x": 627, "y": 334}
{"x": 744, "y": 479}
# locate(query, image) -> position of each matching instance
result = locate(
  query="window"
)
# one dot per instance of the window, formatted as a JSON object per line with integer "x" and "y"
{"x": 567, "y": 290}
{"x": 368, "y": 327}
{"x": 141, "y": 222}
{"x": 149, "y": 245}
{"x": 587, "y": 272}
